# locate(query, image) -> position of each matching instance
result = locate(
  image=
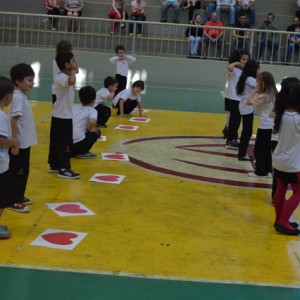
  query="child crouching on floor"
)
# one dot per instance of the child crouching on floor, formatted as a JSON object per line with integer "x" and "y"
{"x": 85, "y": 132}
{"x": 127, "y": 100}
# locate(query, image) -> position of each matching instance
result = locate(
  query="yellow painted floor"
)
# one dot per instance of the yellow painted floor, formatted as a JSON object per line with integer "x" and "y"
{"x": 155, "y": 223}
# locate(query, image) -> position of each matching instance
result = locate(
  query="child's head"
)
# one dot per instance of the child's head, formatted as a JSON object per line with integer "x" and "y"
{"x": 244, "y": 57}
{"x": 66, "y": 61}
{"x": 120, "y": 50}
{"x": 251, "y": 68}
{"x": 111, "y": 83}
{"x": 64, "y": 46}
{"x": 87, "y": 95}
{"x": 266, "y": 83}
{"x": 241, "y": 56}
{"x": 137, "y": 87}
{"x": 6, "y": 89}
{"x": 293, "y": 101}
{"x": 22, "y": 75}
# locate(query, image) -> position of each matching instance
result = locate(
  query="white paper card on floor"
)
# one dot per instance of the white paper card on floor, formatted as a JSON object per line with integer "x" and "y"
{"x": 107, "y": 178}
{"x": 102, "y": 138}
{"x": 140, "y": 119}
{"x": 115, "y": 156}
{"x": 70, "y": 209}
{"x": 59, "y": 239}
{"x": 127, "y": 127}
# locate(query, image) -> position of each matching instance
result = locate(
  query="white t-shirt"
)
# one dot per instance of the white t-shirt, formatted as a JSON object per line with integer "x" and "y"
{"x": 6, "y": 132}
{"x": 101, "y": 96}
{"x": 125, "y": 95}
{"x": 287, "y": 152}
{"x": 63, "y": 106}
{"x": 250, "y": 84}
{"x": 81, "y": 117}
{"x": 20, "y": 106}
{"x": 122, "y": 64}
{"x": 264, "y": 107}
{"x": 55, "y": 72}
{"x": 232, "y": 79}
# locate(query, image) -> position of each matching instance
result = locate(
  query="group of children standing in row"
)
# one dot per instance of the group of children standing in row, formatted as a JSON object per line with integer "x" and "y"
{"x": 74, "y": 128}
{"x": 249, "y": 89}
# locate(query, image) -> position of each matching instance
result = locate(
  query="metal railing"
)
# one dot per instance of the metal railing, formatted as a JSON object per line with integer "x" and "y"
{"x": 162, "y": 39}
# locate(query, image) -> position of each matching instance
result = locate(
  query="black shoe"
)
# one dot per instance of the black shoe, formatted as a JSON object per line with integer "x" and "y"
{"x": 67, "y": 174}
{"x": 245, "y": 158}
{"x": 286, "y": 231}
{"x": 293, "y": 224}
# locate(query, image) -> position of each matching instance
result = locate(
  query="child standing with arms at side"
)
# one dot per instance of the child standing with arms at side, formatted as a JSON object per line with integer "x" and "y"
{"x": 61, "y": 131}
{"x": 121, "y": 61}
{"x": 85, "y": 132}
{"x": 102, "y": 97}
{"x": 245, "y": 87}
{"x": 286, "y": 162}
{"x": 6, "y": 141}
{"x": 263, "y": 101}
{"x": 23, "y": 129}
{"x": 127, "y": 100}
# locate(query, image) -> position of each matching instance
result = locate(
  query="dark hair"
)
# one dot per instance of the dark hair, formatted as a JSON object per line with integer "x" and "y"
{"x": 236, "y": 55}
{"x": 281, "y": 101}
{"x": 249, "y": 70}
{"x": 271, "y": 14}
{"x": 6, "y": 87}
{"x": 64, "y": 46}
{"x": 109, "y": 81}
{"x": 20, "y": 71}
{"x": 62, "y": 58}
{"x": 139, "y": 83}
{"x": 87, "y": 95}
{"x": 119, "y": 47}
{"x": 243, "y": 15}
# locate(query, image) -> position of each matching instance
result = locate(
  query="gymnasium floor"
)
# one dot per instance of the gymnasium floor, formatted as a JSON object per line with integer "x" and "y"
{"x": 185, "y": 223}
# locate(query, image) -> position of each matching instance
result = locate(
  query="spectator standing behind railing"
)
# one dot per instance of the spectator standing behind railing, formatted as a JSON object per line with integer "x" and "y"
{"x": 166, "y": 4}
{"x": 246, "y": 7}
{"x": 293, "y": 41}
{"x": 194, "y": 35}
{"x": 117, "y": 12}
{"x": 137, "y": 14}
{"x": 213, "y": 35}
{"x": 209, "y": 6}
{"x": 191, "y": 5}
{"x": 73, "y": 8}
{"x": 240, "y": 36}
{"x": 52, "y": 9}
{"x": 268, "y": 39}
{"x": 229, "y": 7}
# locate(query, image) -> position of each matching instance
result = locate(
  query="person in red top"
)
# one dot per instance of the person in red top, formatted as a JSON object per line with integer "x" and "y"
{"x": 213, "y": 35}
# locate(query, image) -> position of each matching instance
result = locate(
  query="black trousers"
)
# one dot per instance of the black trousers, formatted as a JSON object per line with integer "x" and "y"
{"x": 104, "y": 113}
{"x": 129, "y": 106}
{"x": 61, "y": 141}
{"x": 234, "y": 120}
{"x": 122, "y": 82}
{"x": 19, "y": 167}
{"x": 247, "y": 122}
{"x": 54, "y": 21}
{"x": 86, "y": 144}
{"x": 6, "y": 195}
{"x": 263, "y": 152}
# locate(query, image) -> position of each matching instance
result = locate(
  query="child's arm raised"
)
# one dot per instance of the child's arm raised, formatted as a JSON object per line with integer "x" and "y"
{"x": 72, "y": 77}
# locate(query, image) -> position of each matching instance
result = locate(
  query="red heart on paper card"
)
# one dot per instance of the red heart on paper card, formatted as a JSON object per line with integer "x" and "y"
{"x": 115, "y": 156}
{"x": 126, "y": 127}
{"x": 60, "y": 238}
{"x": 71, "y": 208}
{"x": 139, "y": 119}
{"x": 108, "y": 178}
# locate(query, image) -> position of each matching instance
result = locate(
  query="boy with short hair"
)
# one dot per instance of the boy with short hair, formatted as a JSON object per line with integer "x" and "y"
{"x": 6, "y": 141}
{"x": 102, "y": 97}
{"x": 61, "y": 131}
{"x": 121, "y": 61}
{"x": 127, "y": 100}
{"x": 23, "y": 129}
{"x": 85, "y": 132}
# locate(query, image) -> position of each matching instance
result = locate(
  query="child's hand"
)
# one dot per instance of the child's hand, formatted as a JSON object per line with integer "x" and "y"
{"x": 15, "y": 151}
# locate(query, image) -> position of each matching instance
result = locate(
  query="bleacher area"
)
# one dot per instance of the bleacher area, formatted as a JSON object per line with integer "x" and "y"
{"x": 163, "y": 39}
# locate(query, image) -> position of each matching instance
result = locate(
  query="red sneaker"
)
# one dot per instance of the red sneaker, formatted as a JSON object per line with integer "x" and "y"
{"x": 19, "y": 207}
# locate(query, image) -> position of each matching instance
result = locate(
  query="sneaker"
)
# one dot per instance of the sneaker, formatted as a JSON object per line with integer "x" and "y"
{"x": 67, "y": 174}
{"x": 245, "y": 158}
{"x": 4, "y": 234}
{"x": 4, "y": 227}
{"x": 88, "y": 155}
{"x": 52, "y": 170}
{"x": 232, "y": 145}
{"x": 252, "y": 174}
{"x": 19, "y": 207}
{"x": 27, "y": 201}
